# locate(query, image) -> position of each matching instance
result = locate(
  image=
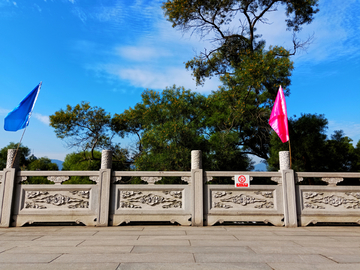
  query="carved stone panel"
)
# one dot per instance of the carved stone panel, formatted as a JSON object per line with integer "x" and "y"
{"x": 331, "y": 200}
{"x": 151, "y": 180}
{"x": 58, "y": 179}
{"x": 239, "y": 200}
{"x": 63, "y": 199}
{"x": 150, "y": 199}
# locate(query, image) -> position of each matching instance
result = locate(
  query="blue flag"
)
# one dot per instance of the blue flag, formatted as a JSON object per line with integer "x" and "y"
{"x": 19, "y": 117}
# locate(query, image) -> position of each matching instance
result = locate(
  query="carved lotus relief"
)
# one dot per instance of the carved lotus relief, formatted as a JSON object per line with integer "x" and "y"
{"x": 323, "y": 200}
{"x": 151, "y": 199}
{"x": 237, "y": 199}
{"x": 55, "y": 199}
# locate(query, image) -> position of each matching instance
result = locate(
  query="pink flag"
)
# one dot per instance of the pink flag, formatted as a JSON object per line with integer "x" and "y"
{"x": 278, "y": 118}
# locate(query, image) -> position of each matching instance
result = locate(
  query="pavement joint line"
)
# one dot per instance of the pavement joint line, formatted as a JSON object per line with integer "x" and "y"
{"x": 194, "y": 257}
{"x": 138, "y": 237}
{"x": 270, "y": 266}
{"x": 328, "y": 258}
{"x": 132, "y": 249}
{"x": 37, "y": 237}
{"x": 56, "y": 258}
{"x": 95, "y": 233}
{"x": 80, "y": 243}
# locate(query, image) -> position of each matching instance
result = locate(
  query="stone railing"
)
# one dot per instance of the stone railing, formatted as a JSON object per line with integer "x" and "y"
{"x": 331, "y": 203}
{"x": 195, "y": 202}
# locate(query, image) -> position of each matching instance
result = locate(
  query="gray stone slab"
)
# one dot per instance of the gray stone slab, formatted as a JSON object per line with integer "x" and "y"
{"x": 305, "y": 266}
{"x": 40, "y": 243}
{"x": 241, "y": 243}
{"x": 19, "y": 238}
{"x": 27, "y": 258}
{"x": 193, "y": 266}
{"x": 334, "y": 251}
{"x": 126, "y": 257}
{"x": 225, "y": 232}
{"x": 59, "y": 266}
{"x": 84, "y": 237}
{"x": 346, "y": 238}
{"x": 345, "y": 258}
{"x": 190, "y": 249}
{"x": 281, "y": 250}
{"x": 189, "y": 237}
{"x": 264, "y": 258}
{"x": 284, "y": 238}
{"x": 135, "y": 243}
{"x": 334, "y": 244}
{"x": 72, "y": 250}
{"x": 148, "y": 232}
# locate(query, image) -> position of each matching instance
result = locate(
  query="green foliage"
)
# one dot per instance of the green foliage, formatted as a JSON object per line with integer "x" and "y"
{"x": 311, "y": 150}
{"x": 232, "y": 44}
{"x": 23, "y": 151}
{"x": 83, "y": 126}
{"x": 171, "y": 124}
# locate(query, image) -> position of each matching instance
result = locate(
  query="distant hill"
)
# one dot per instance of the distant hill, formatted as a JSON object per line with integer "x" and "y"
{"x": 58, "y": 162}
{"x": 260, "y": 167}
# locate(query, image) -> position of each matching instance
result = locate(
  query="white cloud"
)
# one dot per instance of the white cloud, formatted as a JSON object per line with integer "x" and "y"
{"x": 4, "y": 111}
{"x": 147, "y": 77}
{"x": 141, "y": 53}
{"x": 43, "y": 118}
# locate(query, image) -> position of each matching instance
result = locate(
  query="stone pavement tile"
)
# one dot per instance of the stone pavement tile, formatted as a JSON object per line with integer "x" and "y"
{"x": 283, "y": 238}
{"x": 263, "y": 258}
{"x": 241, "y": 243}
{"x": 59, "y": 266}
{"x": 72, "y": 250}
{"x": 281, "y": 250}
{"x": 345, "y": 258}
{"x": 189, "y": 237}
{"x": 27, "y": 258}
{"x": 333, "y": 228}
{"x": 235, "y": 232}
{"x": 305, "y": 266}
{"x": 145, "y": 232}
{"x": 126, "y": 257}
{"x": 340, "y": 238}
{"x": 190, "y": 249}
{"x": 135, "y": 243}
{"x": 66, "y": 237}
{"x": 193, "y": 266}
{"x": 41, "y": 243}
{"x": 264, "y": 228}
{"x": 334, "y": 244}
{"x": 317, "y": 233}
{"x": 32, "y": 229}
{"x": 187, "y": 228}
{"x": 333, "y": 250}
{"x": 19, "y": 238}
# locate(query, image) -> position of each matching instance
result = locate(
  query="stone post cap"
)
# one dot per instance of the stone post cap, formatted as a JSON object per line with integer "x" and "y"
{"x": 196, "y": 159}
{"x": 106, "y": 159}
{"x": 284, "y": 158}
{"x": 11, "y": 155}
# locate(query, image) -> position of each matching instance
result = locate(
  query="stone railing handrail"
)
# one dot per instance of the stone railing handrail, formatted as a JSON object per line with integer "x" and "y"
{"x": 232, "y": 173}
{"x": 57, "y": 173}
{"x": 329, "y": 174}
{"x": 151, "y": 173}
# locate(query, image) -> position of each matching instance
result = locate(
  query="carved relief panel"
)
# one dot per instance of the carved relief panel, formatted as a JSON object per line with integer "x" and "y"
{"x": 240, "y": 200}
{"x": 331, "y": 200}
{"x": 150, "y": 199}
{"x": 64, "y": 199}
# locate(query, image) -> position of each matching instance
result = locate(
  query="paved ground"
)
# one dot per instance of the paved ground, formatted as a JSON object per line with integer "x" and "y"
{"x": 176, "y": 247}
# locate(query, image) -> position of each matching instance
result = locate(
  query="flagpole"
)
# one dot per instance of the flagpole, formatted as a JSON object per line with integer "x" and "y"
{"x": 290, "y": 151}
{"x": 22, "y": 136}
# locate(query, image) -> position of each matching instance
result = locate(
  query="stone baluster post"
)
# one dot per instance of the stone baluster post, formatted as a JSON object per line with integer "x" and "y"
{"x": 105, "y": 186}
{"x": 197, "y": 183}
{"x": 7, "y": 187}
{"x": 289, "y": 190}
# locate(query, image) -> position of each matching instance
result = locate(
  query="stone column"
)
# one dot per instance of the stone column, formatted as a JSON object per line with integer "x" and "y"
{"x": 289, "y": 190}
{"x": 197, "y": 181}
{"x": 106, "y": 159}
{"x": 11, "y": 155}
{"x": 105, "y": 186}
{"x": 7, "y": 187}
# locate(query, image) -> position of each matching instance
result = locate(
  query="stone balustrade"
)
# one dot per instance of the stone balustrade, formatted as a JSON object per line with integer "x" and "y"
{"x": 196, "y": 202}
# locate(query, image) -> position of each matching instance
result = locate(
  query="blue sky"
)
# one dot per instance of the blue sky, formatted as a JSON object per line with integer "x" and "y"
{"x": 107, "y": 52}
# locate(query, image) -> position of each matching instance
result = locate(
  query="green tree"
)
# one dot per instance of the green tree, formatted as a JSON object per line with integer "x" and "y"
{"x": 231, "y": 43}
{"x": 41, "y": 164}
{"x": 89, "y": 129}
{"x": 171, "y": 124}
{"x": 311, "y": 150}
{"x": 23, "y": 152}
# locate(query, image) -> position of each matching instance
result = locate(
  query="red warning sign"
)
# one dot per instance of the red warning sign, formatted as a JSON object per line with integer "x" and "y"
{"x": 242, "y": 181}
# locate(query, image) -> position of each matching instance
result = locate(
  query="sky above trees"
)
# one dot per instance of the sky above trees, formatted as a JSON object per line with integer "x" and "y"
{"x": 108, "y": 52}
